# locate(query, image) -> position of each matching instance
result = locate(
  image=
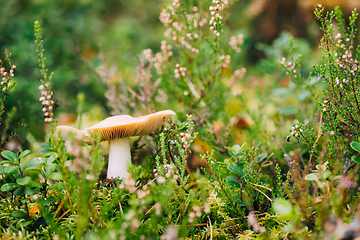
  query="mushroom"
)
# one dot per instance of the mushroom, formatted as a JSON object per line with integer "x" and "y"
{"x": 79, "y": 134}
{"x": 118, "y": 130}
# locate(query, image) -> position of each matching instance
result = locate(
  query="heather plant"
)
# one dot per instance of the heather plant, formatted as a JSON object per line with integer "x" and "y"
{"x": 188, "y": 73}
{"x": 303, "y": 186}
{"x": 7, "y": 83}
{"x": 329, "y": 175}
{"x": 46, "y": 98}
{"x": 338, "y": 103}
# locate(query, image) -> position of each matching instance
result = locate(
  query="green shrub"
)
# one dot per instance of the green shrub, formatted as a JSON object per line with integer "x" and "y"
{"x": 299, "y": 185}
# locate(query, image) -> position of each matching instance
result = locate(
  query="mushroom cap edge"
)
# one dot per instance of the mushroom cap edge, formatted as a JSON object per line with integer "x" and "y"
{"x": 79, "y": 134}
{"x": 121, "y": 126}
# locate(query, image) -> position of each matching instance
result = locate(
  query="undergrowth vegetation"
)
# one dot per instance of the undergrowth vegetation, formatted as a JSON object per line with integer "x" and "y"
{"x": 276, "y": 160}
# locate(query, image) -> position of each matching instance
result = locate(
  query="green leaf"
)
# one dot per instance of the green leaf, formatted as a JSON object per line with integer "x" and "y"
{"x": 6, "y": 161}
{"x": 312, "y": 177}
{"x": 23, "y": 181}
{"x": 231, "y": 150}
{"x": 59, "y": 186}
{"x": 262, "y": 156}
{"x": 51, "y": 159}
{"x": 288, "y": 110}
{"x": 355, "y": 146}
{"x": 2, "y": 170}
{"x": 24, "y": 224}
{"x": 45, "y": 201}
{"x": 50, "y": 169}
{"x": 55, "y": 176}
{"x": 283, "y": 208}
{"x": 19, "y": 192}
{"x": 266, "y": 165}
{"x": 9, "y": 155}
{"x": 34, "y": 184}
{"x": 51, "y": 199}
{"x": 30, "y": 191}
{"x": 24, "y": 153}
{"x": 34, "y": 168}
{"x": 232, "y": 154}
{"x": 16, "y": 175}
{"x": 357, "y": 160}
{"x": 232, "y": 181}
{"x": 325, "y": 174}
{"x": 19, "y": 214}
{"x": 9, "y": 186}
{"x": 236, "y": 148}
{"x": 11, "y": 168}
{"x": 35, "y": 162}
{"x": 44, "y": 151}
{"x": 45, "y": 146}
{"x": 235, "y": 169}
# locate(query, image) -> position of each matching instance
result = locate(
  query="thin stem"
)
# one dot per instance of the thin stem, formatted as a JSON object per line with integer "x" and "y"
{"x": 314, "y": 145}
{"x": 356, "y": 100}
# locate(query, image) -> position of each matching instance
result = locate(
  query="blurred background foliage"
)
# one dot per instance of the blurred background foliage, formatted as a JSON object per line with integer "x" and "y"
{"x": 85, "y": 39}
{"x": 76, "y": 32}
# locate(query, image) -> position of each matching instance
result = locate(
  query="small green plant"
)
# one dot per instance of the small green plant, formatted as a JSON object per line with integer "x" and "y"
{"x": 340, "y": 107}
{"x": 328, "y": 176}
{"x": 6, "y": 84}
{"x": 21, "y": 181}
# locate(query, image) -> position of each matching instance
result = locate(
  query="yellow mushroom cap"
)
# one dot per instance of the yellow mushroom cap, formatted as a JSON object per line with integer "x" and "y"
{"x": 122, "y": 126}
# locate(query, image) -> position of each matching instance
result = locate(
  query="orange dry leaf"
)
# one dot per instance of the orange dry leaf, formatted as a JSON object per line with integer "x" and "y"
{"x": 34, "y": 209}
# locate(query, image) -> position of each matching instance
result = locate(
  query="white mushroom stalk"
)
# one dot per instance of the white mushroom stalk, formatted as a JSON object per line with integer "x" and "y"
{"x": 118, "y": 130}
{"x": 119, "y": 158}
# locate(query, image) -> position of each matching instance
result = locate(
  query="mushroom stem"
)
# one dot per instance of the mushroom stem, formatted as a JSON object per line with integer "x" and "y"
{"x": 119, "y": 158}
